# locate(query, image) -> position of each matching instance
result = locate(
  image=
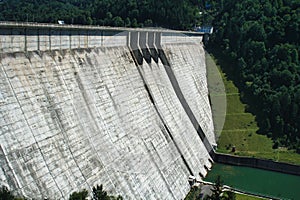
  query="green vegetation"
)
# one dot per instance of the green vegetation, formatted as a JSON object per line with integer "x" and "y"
{"x": 5, "y": 194}
{"x": 246, "y": 197}
{"x": 97, "y": 194}
{"x": 217, "y": 192}
{"x": 193, "y": 194}
{"x": 240, "y": 128}
{"x": 79, "y": 195}
{"x": 183, "y": 14}
{"x": 261, "y": 41}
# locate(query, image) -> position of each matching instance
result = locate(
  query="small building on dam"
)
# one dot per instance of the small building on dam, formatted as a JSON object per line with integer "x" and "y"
{"x": 84, "y": 105}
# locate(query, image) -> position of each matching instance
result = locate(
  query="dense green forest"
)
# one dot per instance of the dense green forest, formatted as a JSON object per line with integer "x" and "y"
{"x": 261, "y": 38}
{"x": 176, "y": 14}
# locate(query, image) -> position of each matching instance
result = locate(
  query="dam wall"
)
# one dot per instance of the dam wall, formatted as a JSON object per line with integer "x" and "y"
{"x": 82, "y": 106}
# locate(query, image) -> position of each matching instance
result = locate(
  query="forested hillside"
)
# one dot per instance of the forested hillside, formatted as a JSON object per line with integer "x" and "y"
{"x": 262, "y": 38}
{"x": 176, "y": 14}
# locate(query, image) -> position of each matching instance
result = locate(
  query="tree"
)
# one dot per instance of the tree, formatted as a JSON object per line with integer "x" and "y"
{"x": 217, "y": 189}
{"x": 254, "y": 50}
{"x": 266, "y": 125}
{"x": 79, "y": 195}
{"x": 218, "y": 193}
{"x": 134, "y": 23}
{"x": 148, "y": 23}
{"x": 228, "y": 195}
{"x": 99, "y": 193}
{"x": 5, "y": 194}
{"x": 176, "y": 14}
{"x": 256, "y": 31}
{"x": 127, "y": 22}
{"x": 108, "y": 18}
{"x": 118, "y": 21}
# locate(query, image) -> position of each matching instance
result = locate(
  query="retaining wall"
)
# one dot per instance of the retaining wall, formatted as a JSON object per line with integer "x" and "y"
{"x": 258, "y": 163}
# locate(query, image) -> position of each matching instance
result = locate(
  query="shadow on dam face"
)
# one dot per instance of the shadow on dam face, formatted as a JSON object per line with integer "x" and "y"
{"x": 124, "y": 117}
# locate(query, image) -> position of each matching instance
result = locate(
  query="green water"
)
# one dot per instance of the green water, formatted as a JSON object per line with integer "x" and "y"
{"x": 274, "y": 184}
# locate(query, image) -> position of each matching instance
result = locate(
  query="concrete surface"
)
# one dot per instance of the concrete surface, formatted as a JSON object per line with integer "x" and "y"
{"x": 79, "y": 112}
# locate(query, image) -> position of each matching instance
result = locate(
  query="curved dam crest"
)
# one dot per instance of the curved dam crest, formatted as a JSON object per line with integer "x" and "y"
{"x": 83, "y": 106}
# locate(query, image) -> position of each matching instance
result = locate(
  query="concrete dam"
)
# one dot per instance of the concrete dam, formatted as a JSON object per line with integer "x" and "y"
{"x": 83, "y": 105}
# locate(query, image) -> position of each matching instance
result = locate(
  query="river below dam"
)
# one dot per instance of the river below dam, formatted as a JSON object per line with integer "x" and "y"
{"x": 257, "y": 181}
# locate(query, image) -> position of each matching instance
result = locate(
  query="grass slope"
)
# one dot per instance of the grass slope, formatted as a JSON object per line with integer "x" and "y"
{"x": 240, "y": 127}
{"x": 246, "y": 197}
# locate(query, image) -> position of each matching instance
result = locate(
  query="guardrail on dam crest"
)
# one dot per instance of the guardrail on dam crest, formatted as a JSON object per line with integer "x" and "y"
{"x": 84, "y": 105}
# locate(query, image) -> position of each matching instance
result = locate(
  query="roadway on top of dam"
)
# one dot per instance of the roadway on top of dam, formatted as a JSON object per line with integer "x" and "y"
{"x": 91, "y": 27}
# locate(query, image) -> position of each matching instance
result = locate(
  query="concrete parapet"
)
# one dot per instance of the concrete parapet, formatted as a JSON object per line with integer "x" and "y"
{"x": 20, "y": 37}
{"x": 177, "y": 38}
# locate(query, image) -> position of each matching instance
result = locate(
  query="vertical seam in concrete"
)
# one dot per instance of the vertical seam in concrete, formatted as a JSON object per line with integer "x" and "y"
{"x": 128, "y": 39}
{"x": 138, "y": 40}
{"x": 38, "y": 39}
{"x": 87, "y": 39}
{"x": 70, "y": 41}
{"x": 25, "y": 40}
{"x": 147, "y": 46}
{"x": 49, "y": 37}
{"x": 60, "y": 39}
{"x": 102, "y": 38}
{"x": 79, "y": 34}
